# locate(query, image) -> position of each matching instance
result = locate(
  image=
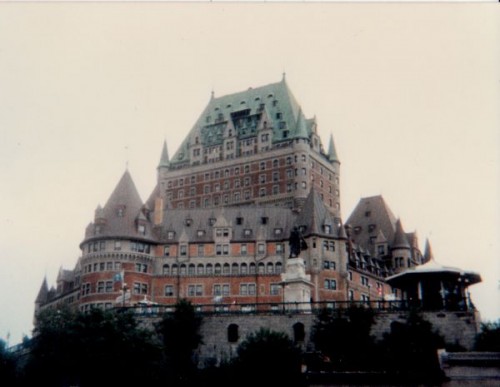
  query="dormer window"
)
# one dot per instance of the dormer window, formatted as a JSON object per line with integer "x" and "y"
{"x": 278, "y": 231}
{"x": 170, "y": 235}
{"x": 141, "y": 229}
{"x": 327, "y": 228}
{"x": 239, "y": 220}
{"x": 120, "y": 211}
{"x": 188, "y": 222}
{"x": 200, "y": 233}
{"x": 247, "y": 232}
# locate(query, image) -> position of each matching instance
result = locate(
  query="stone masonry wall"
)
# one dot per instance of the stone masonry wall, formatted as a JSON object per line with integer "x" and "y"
{"x": 456, "y": 327}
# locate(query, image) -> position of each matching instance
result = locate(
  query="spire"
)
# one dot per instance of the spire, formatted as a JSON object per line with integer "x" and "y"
{"x": 332, "y": 153}
{"x": 301, "y": 131}
{"x": 43, "y": 292}
{"x": 164, "y": 161}
{"x": 400, "y": 239}
{"x": 428, "y": 256}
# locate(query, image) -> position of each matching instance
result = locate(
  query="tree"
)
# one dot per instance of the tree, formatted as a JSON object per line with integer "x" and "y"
{"x": 7, "y": 366}
{"x": 268, "y": 357}
{"x": 411, "y": 349}
{"x": 488, "y": 339}
{"x": 180, "y": 336}
{"x": 91, "y": 349}
{"x": 344, "y": 336}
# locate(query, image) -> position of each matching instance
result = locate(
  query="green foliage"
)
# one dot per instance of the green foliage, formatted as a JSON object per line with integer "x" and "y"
{"x": 91, "y": 349}
{"x": 344, "y": 336}
{"x": 268, "y": 357}
{"x": 180, "y": 335}
{"x": 410, "y": 349}
{"x": 7, "y": 366}
{"x": 488, "y": 339}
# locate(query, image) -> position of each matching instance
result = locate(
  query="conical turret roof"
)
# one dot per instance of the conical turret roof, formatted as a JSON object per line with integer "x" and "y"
{"x": 400, "y": 239}
{"x": 332, "y": 152}
{"x": 164, "y": 160}
{"x": 43, "y": 292}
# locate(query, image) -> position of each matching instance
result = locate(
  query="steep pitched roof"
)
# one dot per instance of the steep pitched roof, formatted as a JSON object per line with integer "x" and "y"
{"x": 164, "y": 160}
{"x": 260, "y": 221}
{"x": 121, "y": 211}
{"x": 275, "y": 98}
{"x": 428, "y": 255}
{"x": 370, "y": 216}
{"x": 315, "y": 215}
{"x": 332, "y": 152}
{"x": 43, "y": 292}
{"x": 400, "y": 238}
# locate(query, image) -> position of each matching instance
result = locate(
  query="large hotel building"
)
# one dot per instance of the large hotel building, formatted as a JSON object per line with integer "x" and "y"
{"x": 217, "y": 228}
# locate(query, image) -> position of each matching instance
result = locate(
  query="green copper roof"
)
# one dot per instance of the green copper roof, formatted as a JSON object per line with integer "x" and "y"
{"x": 244, "y": 110}
{"x": 164, "y": 161}
{"x": 332, "y": 152}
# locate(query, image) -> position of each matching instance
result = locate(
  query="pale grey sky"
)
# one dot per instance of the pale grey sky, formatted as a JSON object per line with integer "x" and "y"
{"x": 409, "y": 91}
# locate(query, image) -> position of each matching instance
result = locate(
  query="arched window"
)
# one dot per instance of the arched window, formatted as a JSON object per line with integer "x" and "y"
{"x": 244, "y": 268}
{"x": 200, "y": 270}
{"x": 235, "y": 269}
{"x": 183, "y": 269}
{"x": 252, "y": 268}
{"x": 210, "y": 269}
{"x": 232, "y": 333}
{"x": 278, "y": 268}
{"x": 298, "y": 332}
{"x": 262, "y": 268}
{"x": 191, "y": 269}
{"x": 218, "y": 268}
{"x": 175, "y": 269}
{"x": 270, "y": 268}
{"x": 166, "y": 269}
{"x": 226, "y": 268}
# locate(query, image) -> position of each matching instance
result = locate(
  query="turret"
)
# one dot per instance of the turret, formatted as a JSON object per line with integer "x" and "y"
{"x": 401, "y": 249}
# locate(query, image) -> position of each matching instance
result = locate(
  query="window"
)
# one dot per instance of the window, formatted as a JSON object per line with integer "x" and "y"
{"x": 141, "y": 229}
{"x": 274, "y": 289}
{"x": 100, "y": 287}
{"x": 140, "y": 288}
{"x": 166, "y": 269}
{"x": 243, "y": 249}
{"x": 330, "y": 284}
{"x": 201, "y": 250}
{"x": 109, "y": 286}
{"x": 261, "y": 248}
{"x": 141, "y": 267}
{"x": 183, "y": 250}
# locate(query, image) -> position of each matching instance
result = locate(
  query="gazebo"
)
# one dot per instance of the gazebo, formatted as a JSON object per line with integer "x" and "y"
{"x": 435, "y": 287}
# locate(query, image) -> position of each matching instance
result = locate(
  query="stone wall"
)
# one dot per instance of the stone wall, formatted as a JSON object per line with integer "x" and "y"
{"x": 458, "y": 328}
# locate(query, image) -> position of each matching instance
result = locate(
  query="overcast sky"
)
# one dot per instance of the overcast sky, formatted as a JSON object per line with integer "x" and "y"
{"x": 410, "y": 93}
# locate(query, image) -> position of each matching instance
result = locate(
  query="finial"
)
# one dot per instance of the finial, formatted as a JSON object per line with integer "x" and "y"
{"x": 284, "y": 76}
{"x": 212, "y": 94}
{"x": 126, "y": 157}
